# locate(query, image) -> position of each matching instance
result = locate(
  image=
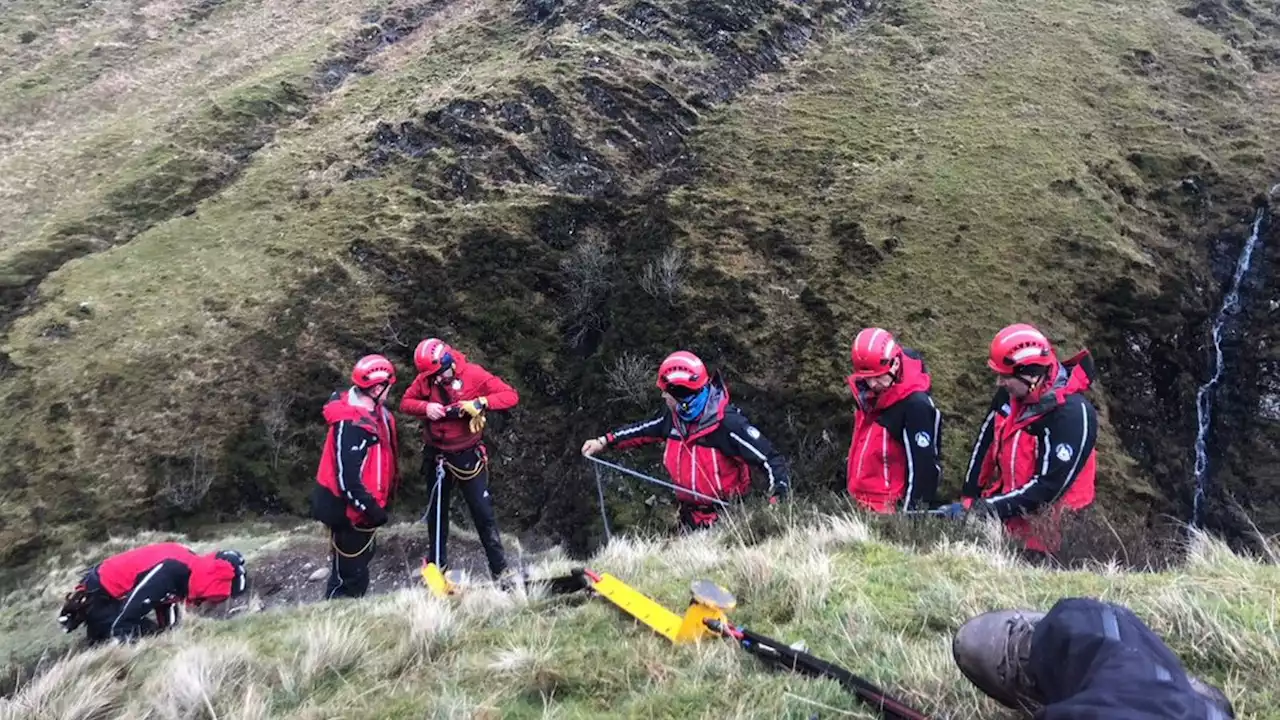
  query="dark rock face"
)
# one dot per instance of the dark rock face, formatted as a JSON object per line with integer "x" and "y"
{"x": 611, "y": 146}
{"x": 1244, "y": 459}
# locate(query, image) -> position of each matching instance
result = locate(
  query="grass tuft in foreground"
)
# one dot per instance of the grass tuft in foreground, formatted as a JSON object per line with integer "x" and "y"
{"x": 884, "y": 610}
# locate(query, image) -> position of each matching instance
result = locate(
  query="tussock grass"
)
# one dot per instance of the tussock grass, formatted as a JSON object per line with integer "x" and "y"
{"x": 196, "y": 677}
{"x": 833, "y": 584}
{"x": 84, "y": 686}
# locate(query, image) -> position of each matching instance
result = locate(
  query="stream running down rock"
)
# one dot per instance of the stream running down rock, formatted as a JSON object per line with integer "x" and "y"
{"x": 1231, "y": 306}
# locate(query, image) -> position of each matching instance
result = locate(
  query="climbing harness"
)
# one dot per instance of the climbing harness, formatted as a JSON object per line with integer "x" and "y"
{"x": 463, "y": 474}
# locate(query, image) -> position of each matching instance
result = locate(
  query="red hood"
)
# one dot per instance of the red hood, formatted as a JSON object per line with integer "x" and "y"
{"x": 338, "y": 409}
{"x": 914, "y": 378}
{"x": 1073, "y": 376}
{"x": 211, "y": 579}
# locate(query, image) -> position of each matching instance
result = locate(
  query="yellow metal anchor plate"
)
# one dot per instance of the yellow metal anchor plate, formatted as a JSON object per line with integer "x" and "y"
{"x": 709, "y": 603}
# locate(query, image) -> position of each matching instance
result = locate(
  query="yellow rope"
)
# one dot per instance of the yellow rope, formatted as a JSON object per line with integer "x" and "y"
{"x": 333, "y": 540}
{"x": 468, "y": 474}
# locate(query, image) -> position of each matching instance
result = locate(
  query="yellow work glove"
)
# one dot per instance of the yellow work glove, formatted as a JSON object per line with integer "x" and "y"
{"x": 475, "y": 408}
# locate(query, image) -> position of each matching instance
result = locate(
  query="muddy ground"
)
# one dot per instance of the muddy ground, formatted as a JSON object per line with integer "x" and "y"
{"x": 298, "y": 572}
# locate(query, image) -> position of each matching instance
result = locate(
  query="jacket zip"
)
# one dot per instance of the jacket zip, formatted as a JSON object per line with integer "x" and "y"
{"x": 862, "y": 455}
{"x": 884, "y": 457}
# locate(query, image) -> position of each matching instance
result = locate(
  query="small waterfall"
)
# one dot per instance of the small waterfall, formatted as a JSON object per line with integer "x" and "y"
{"x": 1205, "y": 395}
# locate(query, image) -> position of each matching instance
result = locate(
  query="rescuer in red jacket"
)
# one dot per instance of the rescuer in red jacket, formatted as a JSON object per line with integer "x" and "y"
{"x": 894, "y": 457}
{"x": 116, "y": 596}
{"x": 1035, "y": 453}
{"x": 451, "y": 396}
{"x": 357, "y": 475}
{"x": 710, "y": 444}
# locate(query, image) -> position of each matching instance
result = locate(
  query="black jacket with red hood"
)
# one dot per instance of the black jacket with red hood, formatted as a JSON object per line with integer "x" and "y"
{"x": 895, "y": 453}
{"x": 1040, "y": 451}
{"x": 711, "y": 455}
{"x": 155, "y": 578}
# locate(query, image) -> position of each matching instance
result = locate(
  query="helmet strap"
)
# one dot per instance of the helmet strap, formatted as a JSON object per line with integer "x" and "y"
{"x": 374, "y": 394}
{"x": 1033, "y": 379}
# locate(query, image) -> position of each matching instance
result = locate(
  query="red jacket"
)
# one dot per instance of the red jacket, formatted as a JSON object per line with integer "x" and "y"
{"x": 469, "y": 382}
{"x": 1038, "y": 455}
{"x": 373, "y": 452}
{"x": 894, "y": 453}
{"x": 712, "y": 455}
{"x": 195, "y": 578}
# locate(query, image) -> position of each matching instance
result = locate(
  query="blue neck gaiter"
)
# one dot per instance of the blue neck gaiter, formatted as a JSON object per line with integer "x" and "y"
{"x": 691, "y": 409}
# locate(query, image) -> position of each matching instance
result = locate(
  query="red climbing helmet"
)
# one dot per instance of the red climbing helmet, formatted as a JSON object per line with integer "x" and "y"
{"x": 873, "y": 352}
{"x": 682, "y": 373}
{"x": 432, "y": 355}
{"x": 1019, "y": 346}
{"x": 373, "y": 370}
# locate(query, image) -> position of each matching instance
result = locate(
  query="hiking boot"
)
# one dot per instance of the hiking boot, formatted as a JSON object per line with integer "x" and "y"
{"x": 993, "y": 650}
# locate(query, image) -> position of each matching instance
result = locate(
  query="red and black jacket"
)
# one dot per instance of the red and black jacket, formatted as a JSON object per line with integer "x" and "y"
{"x": 1040, "y": 452}
{"x": 358, "y": 470}
{"x": 712, "y": 455}
{"x": 156, "y": 578}
{"x": 469, "y": 382}
{"x": 897, "y": 440}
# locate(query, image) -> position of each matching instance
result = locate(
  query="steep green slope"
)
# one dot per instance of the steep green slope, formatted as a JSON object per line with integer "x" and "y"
{"x": 223, "y": 204}
{"x": 886, "y": 611}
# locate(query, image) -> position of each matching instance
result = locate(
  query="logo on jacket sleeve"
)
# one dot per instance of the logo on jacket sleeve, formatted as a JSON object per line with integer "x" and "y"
{"x": 1064, "y": 452}
{"x": 923, "y": 439}
{"x": 753, "y": 432}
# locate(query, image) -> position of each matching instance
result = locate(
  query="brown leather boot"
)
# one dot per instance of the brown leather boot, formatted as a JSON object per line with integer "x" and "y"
{"x": 992, "y": 650}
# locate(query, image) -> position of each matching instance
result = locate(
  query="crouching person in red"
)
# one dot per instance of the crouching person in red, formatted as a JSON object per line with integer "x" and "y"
{"x": 710, "y": 444}
{"x": 357, "y": 474}
{"x": 114, "y": 599}
{"x": 1035, "y": 453}
{"x": 897, "y": 430}
{"x": 451, "y": 396}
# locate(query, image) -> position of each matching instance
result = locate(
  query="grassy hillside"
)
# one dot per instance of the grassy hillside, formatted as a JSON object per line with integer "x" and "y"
{"x": 885, "y": 610}
{"x": 216, "y": 206}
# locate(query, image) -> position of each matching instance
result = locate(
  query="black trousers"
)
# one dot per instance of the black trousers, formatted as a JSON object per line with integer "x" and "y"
{"x": 1092, "y": 659}
{"x": 350, "y": 551}
{"x": 102, "y": 619}
{"x": 468, "y": 470}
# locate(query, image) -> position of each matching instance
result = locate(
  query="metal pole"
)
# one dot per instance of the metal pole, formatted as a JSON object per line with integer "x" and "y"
{"x": 656, "y": 481}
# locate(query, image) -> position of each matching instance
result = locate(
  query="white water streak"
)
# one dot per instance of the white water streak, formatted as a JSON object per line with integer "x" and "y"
{"x": 1204, "y": 397}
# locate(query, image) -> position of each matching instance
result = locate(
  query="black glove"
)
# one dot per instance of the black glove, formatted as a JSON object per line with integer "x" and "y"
{"x": 983, "y": 509}
{"x": 375, "y": 517}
